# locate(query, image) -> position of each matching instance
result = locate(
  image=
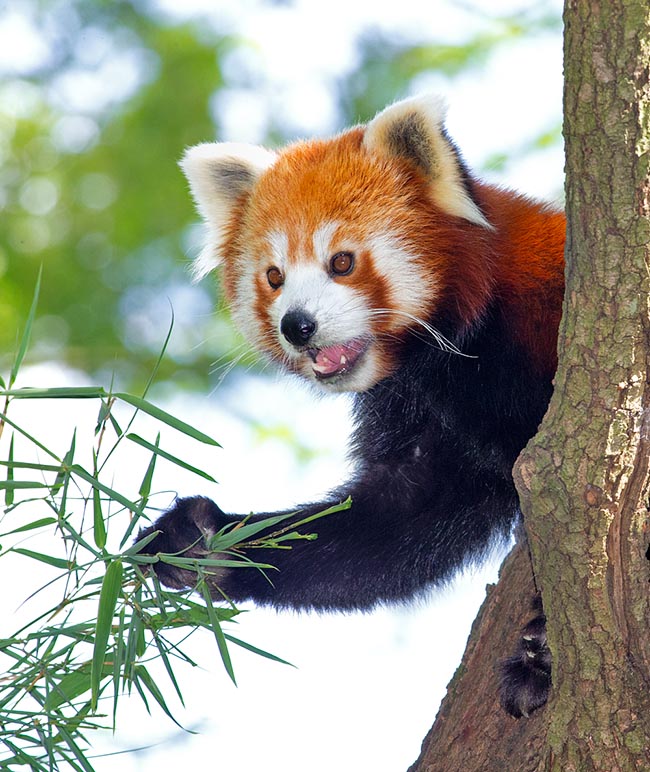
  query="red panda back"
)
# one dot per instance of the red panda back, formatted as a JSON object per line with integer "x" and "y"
{"x": 529, "y": 271}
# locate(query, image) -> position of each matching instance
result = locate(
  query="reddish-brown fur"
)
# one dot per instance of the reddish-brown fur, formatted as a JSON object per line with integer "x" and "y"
{"x": 529, "y": 274}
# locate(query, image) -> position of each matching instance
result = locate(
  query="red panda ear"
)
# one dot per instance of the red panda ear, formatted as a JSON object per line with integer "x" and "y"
{"x": 414, "y": 129}
{"x": 220, "y": 174}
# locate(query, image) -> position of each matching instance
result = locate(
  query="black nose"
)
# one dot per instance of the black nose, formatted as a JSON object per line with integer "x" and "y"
{"x": 297, "y": 327}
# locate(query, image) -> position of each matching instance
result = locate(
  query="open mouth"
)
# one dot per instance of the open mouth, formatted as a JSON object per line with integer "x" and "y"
{"x": 337, "y": 359}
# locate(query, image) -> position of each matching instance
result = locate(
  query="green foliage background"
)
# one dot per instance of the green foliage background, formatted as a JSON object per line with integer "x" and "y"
{"x": 92, "y": 191}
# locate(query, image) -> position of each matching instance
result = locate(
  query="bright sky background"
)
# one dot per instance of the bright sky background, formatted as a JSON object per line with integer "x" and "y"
{"x": 367, "y": 686}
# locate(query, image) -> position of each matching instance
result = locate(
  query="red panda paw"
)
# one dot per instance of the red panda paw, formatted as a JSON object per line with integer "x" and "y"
{"x": 526, "y": 676}
{"x": 184, "y": 531}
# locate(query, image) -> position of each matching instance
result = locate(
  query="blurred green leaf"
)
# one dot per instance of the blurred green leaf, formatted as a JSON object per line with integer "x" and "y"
{"x": 24, "y": 342}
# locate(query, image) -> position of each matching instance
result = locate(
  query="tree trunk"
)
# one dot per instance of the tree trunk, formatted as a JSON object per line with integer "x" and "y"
{"x": 472, "y": 731}
{"x": 584, "y": 480}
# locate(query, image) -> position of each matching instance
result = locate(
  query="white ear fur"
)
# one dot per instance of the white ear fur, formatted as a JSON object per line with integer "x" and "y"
{"x": 414, "y": 129}
{"x": 219, "y": 175}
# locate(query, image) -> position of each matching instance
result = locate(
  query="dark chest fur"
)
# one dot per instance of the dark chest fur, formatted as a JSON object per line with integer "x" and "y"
{"x": 478, "y": 409}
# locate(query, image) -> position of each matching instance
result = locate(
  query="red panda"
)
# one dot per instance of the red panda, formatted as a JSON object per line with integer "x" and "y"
{"x": 375, "y": 263}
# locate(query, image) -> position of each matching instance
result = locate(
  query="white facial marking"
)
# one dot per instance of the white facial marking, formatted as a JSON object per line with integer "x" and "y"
{"x": 279, "y": 248}
{"x": 322, "y": 241}
{"x": 242, "y": 309}
{"x": 408, "y": 286}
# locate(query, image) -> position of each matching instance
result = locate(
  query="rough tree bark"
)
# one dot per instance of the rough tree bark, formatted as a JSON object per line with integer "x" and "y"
{"x": 584, "y": 480}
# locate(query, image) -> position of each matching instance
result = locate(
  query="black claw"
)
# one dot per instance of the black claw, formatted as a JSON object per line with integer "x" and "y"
{"x": 526, "y": 676}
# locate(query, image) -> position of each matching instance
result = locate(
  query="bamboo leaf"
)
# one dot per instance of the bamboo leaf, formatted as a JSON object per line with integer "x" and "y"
{"x": 145, "y": 486}
{"x": 5, "y": 418}
{"x": 142, "y": 675}
{"x": 108, "y": 596}
{"x": 9, "y": 493}
{"x": 140, "y": 641}
{"x": 342, "y": 506}
{"x": 76, "y": 750}
{"x": 164, "y": 454}
{"x": 255, "y": 650}
{"x": 131, "y": 527}
{"x": 133, "y": 648}
{"x": 135, "y": 642}
{"x": 121, "y": 663}
{"x": 110, "y": 492}
{"x": 116, "y": 427}
{"x": 185, "y": 613}
{"x": 56, "y": 392}
{"x": 166, "y": 418}
{"x": 242, "y": 531}
{"x": 99, "y": 526}
{"x": 30, "y": 465}
{"x": 104, "y": 412}
{"x": 70, "y": 687}
{"x": 141, "y": 544}
{"x": 32, "y": 526}
{"x": 222, "y": 644}
{"x": 26, "y": 759}
{"x": 170, "y": 671}
{"x": 12, "y": 485}
{"x": 190, "y": 563}
{"x": 63, "y": 477}
{"x": 66, "y": 565}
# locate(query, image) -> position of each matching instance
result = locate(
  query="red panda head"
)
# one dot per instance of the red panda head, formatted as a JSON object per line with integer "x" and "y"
{"x": 334, "y": 250}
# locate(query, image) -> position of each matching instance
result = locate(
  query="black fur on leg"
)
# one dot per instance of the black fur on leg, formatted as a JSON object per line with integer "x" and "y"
{"x": 526, "y": 676}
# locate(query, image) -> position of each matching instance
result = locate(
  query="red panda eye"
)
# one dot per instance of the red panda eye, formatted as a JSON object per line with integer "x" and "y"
{"x": 275, "y": 277}
{"x": 342, "y": 263}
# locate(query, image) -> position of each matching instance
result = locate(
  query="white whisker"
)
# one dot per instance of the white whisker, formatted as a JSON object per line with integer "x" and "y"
{"x": 443, "y": 343}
